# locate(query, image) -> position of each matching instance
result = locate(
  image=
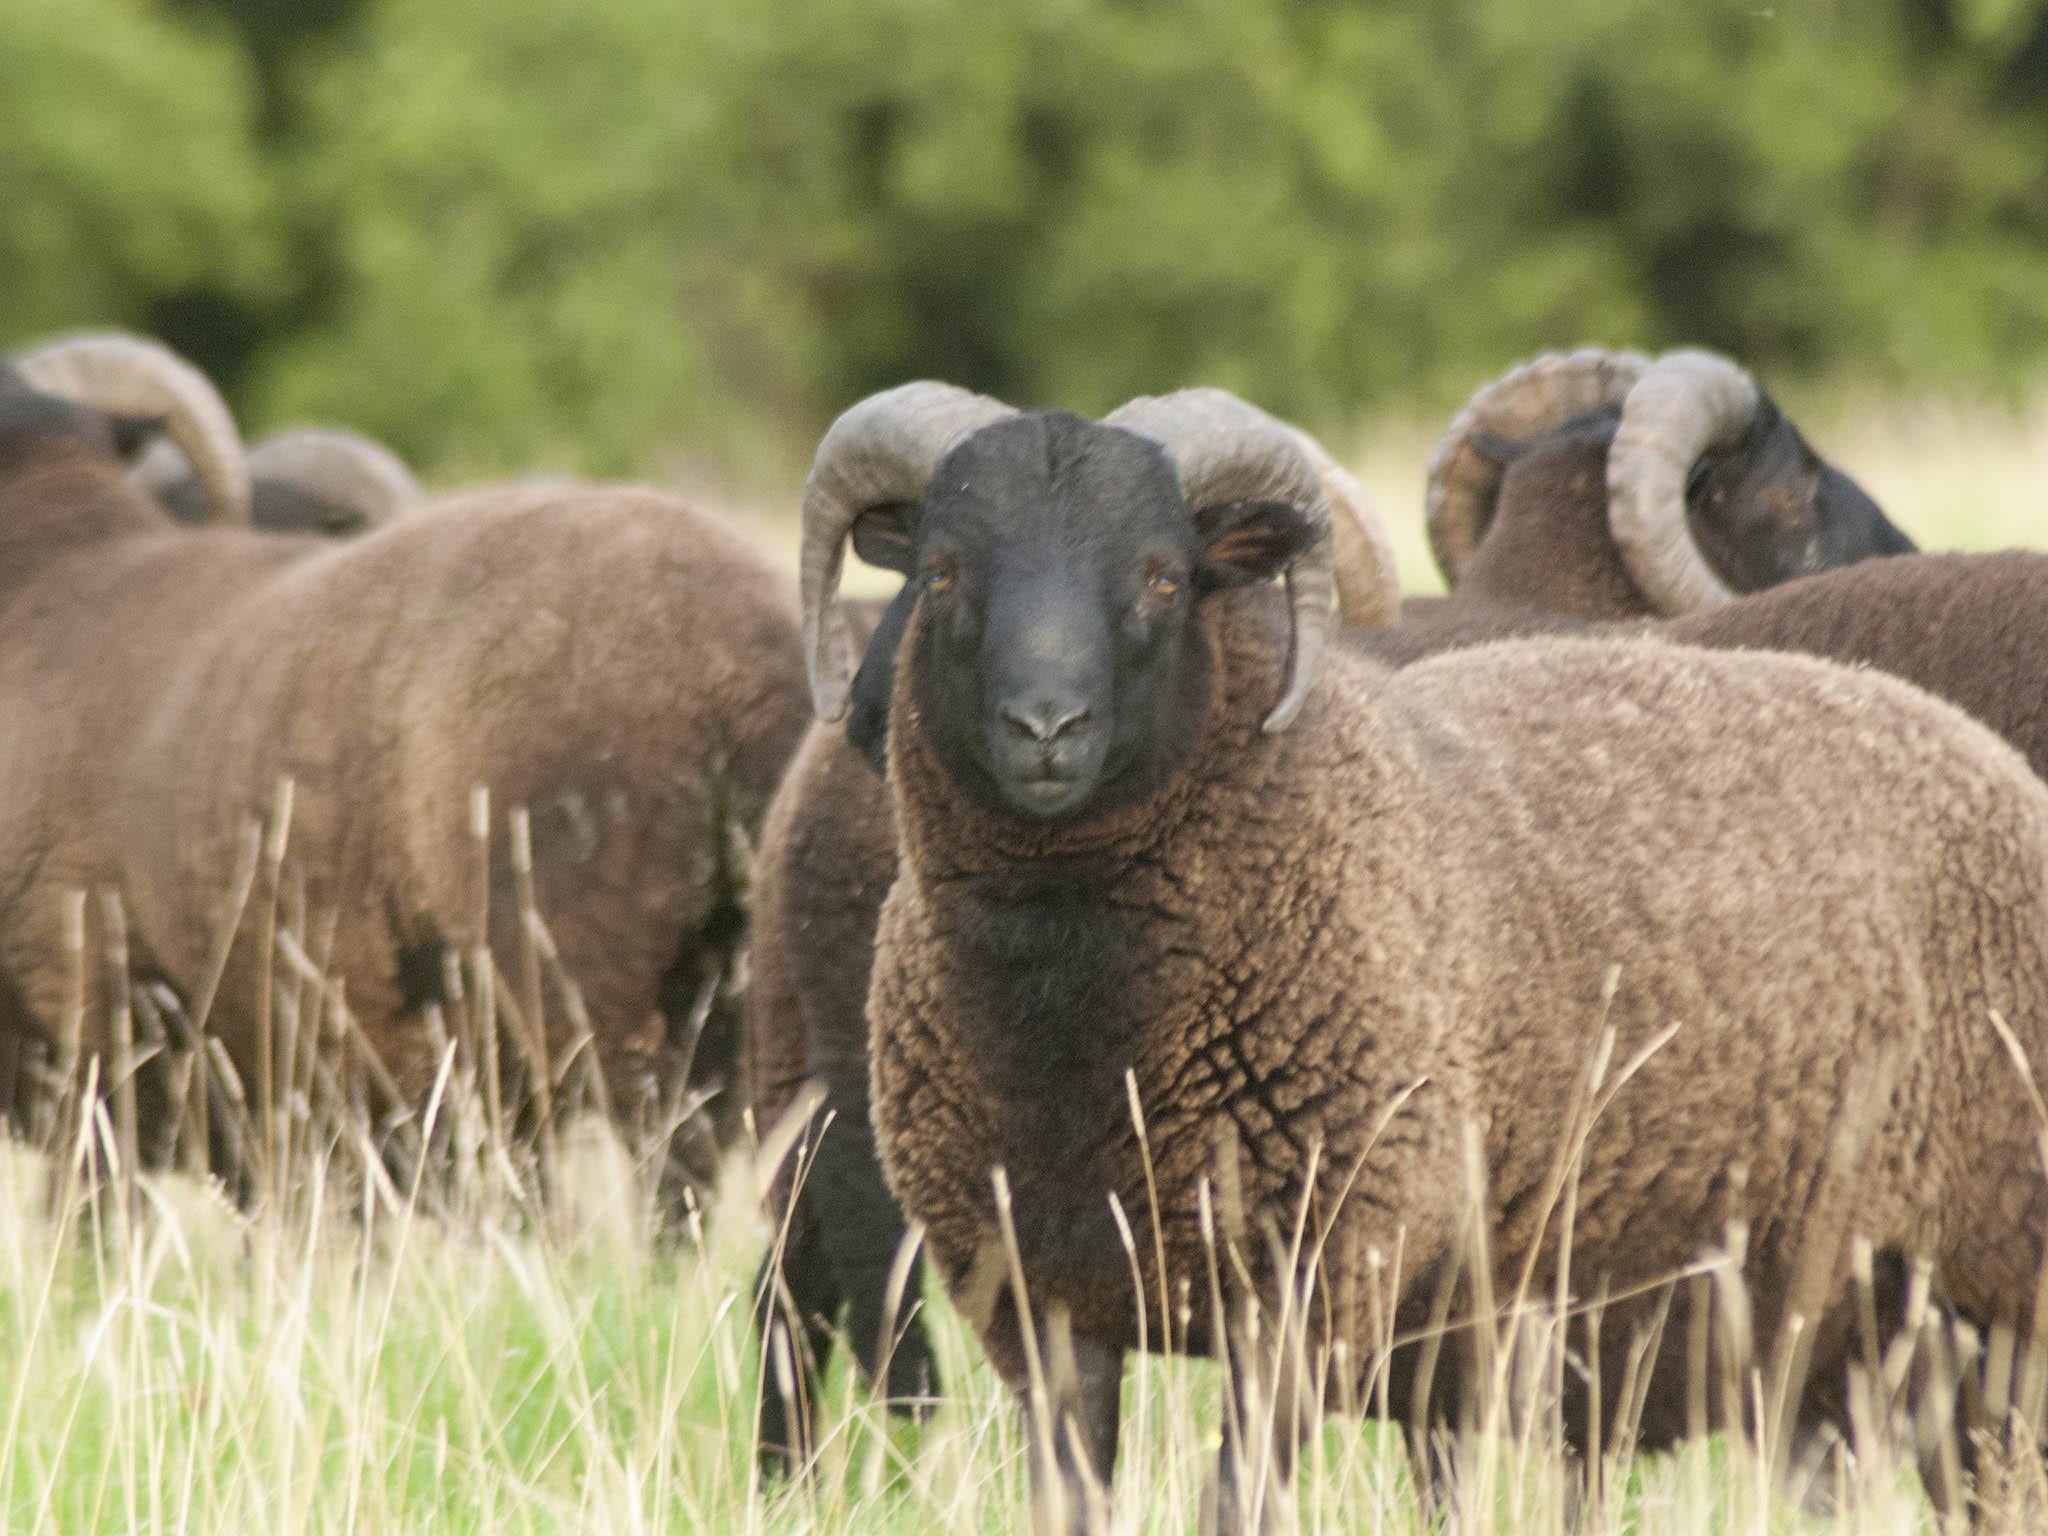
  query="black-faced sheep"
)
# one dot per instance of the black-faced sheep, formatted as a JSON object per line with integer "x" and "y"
{"x": 304, "y": 480}
{"x": 1687, "y": 486}
{"x": 828, "y": 852}
{"x": 615, "y": 663}
{"x": 1343, "y": 948}
{"x": 827, "y": 857}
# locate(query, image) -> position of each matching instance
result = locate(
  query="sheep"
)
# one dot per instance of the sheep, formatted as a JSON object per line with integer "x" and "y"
{"x": 830, "y": 857}
{"x": 826, "y": 859}
{"x": 1682, "y": 484}
{"x": 621, "y": 667}
{"x": 305, "y": 480}
{"x": 1344, "y": 948}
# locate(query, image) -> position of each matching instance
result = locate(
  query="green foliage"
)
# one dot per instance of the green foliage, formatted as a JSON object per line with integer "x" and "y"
{"x": 583, "y": 236}
{"x": 128, "y": 175}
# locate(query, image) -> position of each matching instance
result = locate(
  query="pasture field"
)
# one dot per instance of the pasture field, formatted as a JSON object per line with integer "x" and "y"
{"x": 489, "y": 1360}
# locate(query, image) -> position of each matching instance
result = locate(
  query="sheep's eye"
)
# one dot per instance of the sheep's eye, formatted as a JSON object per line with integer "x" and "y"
{"x": 940, "y": 576}
{"x": 1165, "y": 583}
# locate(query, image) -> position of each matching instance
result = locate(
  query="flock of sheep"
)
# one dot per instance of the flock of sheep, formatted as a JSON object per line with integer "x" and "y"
{"x": 1188, "y": 943}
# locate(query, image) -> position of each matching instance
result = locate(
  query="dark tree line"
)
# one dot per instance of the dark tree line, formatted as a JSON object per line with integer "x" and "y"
{"x": 542, "y": 230}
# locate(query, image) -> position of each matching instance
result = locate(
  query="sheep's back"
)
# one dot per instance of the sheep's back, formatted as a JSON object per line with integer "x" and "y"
{"x": 618, "y": 665}
{"x": 1823, "y": 877}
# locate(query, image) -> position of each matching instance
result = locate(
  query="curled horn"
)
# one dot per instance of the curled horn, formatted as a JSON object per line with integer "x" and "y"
{"x": 339, "y": 469}
{"x": 1521, "y": 405}
{"x": 1682, "y": 405}
{"x": 1228, "y": 450}
{"x": 126, "y": 375}
{"x": 884, "y": 449}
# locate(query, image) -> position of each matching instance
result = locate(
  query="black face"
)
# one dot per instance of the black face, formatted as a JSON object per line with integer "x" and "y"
{"x": 1767, "y": 508}
{"x": 32, "y": 423}
{"x": 275, "y": 506}
{"x": 1056, "y": 573}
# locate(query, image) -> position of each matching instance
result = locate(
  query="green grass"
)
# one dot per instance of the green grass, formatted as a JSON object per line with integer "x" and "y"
{"x": 304, "y": 1370}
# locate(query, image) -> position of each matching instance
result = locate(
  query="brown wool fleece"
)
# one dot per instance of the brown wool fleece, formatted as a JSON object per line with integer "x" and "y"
{"x": 827, "y": 855}
{"x": 604, "y": 656}
{"x": 1823, "y": 877}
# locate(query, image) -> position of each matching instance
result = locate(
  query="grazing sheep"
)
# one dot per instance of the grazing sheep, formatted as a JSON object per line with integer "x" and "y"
{"x": 604, "y": 657}
{"x": 826, "y": 860}
{"x": 1663, "y": 488}
{"x": 1341, "y": 949}
{"x": 306, "y": 480}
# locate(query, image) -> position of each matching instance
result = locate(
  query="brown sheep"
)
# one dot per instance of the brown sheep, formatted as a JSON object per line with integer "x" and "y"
{"x": 1688, "y": 486}
{"x": 828, "y": 855}
{"x": 1344, "y": 948}
{"x": 603, "y": 656}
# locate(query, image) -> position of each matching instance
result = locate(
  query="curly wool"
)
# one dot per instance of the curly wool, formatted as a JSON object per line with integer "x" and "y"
{"x": 1427, "y": 881}
{"x": 604, "y": 656}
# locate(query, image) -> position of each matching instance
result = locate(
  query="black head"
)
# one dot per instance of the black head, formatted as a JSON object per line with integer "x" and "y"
{"x": 276, "y": 506}
{"x": 1060, "y": 664}
{"x": 867, "y": 715}
{"x": 1765, "y": 508}
{"x": 34, "y": 425}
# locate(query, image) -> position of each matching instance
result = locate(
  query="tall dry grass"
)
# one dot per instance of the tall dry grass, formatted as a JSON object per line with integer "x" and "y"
{"x": 479, "y": 1314}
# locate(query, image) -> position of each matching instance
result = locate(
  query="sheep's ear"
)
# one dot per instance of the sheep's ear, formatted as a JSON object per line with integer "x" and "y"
{"x": 1243, "y": 542}
{"x": 134, "y": 434}
{"x": 867, "y": 717}
{"x": 881, "y": 535}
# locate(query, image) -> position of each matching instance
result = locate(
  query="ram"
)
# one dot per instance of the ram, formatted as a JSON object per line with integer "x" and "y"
{"x": 1601, "y": 485}
{"x": 607, "y": 659}
{"x": 1343, "y": 947}
{"x": 303, "y": 480}
{"x": 827, "y": 857}
{"x": 828, "y": 851}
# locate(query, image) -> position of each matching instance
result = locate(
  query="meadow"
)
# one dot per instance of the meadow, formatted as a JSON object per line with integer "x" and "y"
{"x": 478, "y": 1355}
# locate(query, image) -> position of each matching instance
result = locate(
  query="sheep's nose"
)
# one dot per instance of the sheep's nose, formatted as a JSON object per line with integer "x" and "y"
{"x": 1045, "y": 720}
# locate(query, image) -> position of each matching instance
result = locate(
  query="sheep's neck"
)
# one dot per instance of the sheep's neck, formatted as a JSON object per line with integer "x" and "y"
{"x": 1549, "y": 547}
{"x": 1051, "y": 970}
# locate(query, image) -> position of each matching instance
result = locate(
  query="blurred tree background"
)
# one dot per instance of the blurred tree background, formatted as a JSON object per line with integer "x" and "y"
{"x": 601, "y": 235}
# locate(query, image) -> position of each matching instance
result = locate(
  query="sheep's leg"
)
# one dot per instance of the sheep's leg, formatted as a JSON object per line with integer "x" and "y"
{"x": 862, "y": 1231}
{"x": 1070, "y": 1479}
{"x": 1264, "y": 1425}
{"x": 795, "y": 1326}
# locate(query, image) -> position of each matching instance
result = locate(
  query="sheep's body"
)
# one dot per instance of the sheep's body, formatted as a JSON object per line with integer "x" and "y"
{"x": 602, "y": 656}
{"x": 1968, "y": 628}
{"x": 1819, "y": 873}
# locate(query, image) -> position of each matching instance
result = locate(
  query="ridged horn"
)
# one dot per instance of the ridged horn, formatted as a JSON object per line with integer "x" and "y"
{"x": 1225, "y": 449}
{"x": 127, "y": 375}
{"x": 883, "y": 449}
{"x": 1362, "y": 550}
{"x": 1687, "y": 401}
{"x": 339, "y": 469}
{"x": 1522, "y": 404}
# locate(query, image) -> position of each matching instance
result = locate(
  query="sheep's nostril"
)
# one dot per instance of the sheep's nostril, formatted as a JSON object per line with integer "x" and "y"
{"x": 1045, "y": 721}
